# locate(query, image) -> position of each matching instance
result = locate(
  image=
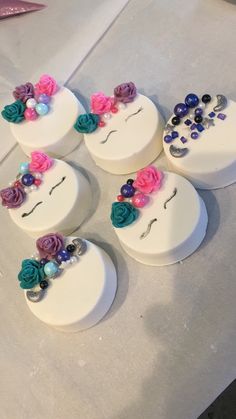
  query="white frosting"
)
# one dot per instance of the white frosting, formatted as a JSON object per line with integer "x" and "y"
{"x": 136, "y": 142}
{"x": 52, "y": 133}
{"x": 211, "y": 160}
{"x": 81, "y": 295}
{"x": 62, "y": 211}
{"x": 178, "y": 231}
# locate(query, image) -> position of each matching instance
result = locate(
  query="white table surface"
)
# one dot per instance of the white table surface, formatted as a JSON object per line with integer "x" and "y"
{"x": 167, "y": 347}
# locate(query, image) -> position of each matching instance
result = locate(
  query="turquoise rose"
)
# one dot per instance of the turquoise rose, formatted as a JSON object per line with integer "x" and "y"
{"x": 31, "y": 274}
{"x": 123, "y": 214}
{"x": 87, "y": 123}
{"x": 14, "y": 112}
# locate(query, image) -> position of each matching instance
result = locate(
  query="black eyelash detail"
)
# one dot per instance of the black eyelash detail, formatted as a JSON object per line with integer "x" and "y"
{"x": 108, "y": 135}
{"x": 132, "y": 114}
{"x": 143, "y": 235}
{"x": 58, "y": 184}
{"x": 28, "y": 213}
{"x": 171, "y": 197}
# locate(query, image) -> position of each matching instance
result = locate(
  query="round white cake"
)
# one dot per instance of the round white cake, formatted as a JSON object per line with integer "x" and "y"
{"x": 131, "y": 138}
{"x": 61, "y": 202}
{"x": 81, "y": 296}
{"x": 52, "y": 133}
{"x": 170, "y": 227}
{"x": 209, "y": 161}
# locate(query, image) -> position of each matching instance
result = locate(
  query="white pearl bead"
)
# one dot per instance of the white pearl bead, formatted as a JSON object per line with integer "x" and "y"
{"x": 107, "y": 116}
{"x": 31, "y": 103}
{"x": 32, "y": 257}
{"x": 73, "y": 259}
{"x": 33, "y": 187}
{"x": 121, "y": 105}
{"x": 27, "y": 190}
{"x": 191, "y": 116}
{"x": 201, "y": 105}
{"x": 63, "y": 265}
{"x": 68, "y": 262}
{"x": 38, "y": 175}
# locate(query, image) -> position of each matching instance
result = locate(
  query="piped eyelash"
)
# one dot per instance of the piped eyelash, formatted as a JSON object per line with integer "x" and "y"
{"x": 133, "y": 114}
{"x": 145, "y": 234}
{"x": 171, "y": 197}
{"x": 25, "y": 214}
{"x": 108, "y": 135}
{"x": 58, "y": 184}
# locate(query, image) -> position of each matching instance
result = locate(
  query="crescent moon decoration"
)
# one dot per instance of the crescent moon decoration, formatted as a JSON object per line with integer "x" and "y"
{"x": 35, "y": 296}
{"x": 221, "y": 103}
{"x": 80, "y": 245}
{"x": 143, "y": 235}
{"x": 208, "y": 123}
{"x": 178, "y": 152}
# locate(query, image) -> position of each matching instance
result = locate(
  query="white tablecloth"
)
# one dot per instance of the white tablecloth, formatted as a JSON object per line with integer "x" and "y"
{"x": 166, "y": 349}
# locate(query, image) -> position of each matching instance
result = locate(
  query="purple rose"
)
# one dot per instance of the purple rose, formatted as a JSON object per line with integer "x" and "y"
{"x": 125, "y": 92}
{"x": 24, "y": 92}
{"x": 12, "y": 197}
{"x": 49, "y": 245}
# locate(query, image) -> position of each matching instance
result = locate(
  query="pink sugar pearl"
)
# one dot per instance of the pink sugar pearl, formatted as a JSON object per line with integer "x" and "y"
{"x": 30, "y": 114}
{"x": 139, "y": 200}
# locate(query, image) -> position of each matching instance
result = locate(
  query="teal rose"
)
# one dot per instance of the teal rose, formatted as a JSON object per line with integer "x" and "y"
{"x": 14, "y": 112}
{"x": 123, "y": 214}
{"x": 31, "y": 274}
{"x": 87, "y": 123}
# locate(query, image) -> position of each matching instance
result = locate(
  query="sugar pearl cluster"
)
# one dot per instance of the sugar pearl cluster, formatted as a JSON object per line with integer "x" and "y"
{"x": 37, "y": 106}
{"x": 29, "y": 181}
{"x": 137, "y": 199}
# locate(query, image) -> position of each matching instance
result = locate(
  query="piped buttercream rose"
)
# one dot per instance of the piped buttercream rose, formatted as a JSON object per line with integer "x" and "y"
{"x": 100, "y": 103}
{"x": 125, "y": 92}
{"x": 14, "y": 112}
{"x": 123, "y": 214}
{"x": 87, "y": 123}
{"x": 49, "y": 245}
{"x": 148, "y": 180}
{"x": 24, "y": 92}
{"x": 47, "y": 85}
{"x": 12, "y": 197}
{"x": 31, "y": 274}
{"x": 40, "y": 162}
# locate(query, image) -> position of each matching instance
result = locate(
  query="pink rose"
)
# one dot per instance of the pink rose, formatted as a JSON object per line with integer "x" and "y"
{"x": 49, "y": 245}
{"x": 148, "y": 180}
{"x": 46, "y": 85}
{"x": 40, "y": 162}
{"x": 100, "y": 103}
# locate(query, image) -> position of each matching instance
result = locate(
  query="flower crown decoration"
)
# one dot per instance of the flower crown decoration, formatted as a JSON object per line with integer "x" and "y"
{"x": 102, "y": 107}
{"x": 28, "y": 179}
{"x": 48, "y": 263}
{"x": 31, "y": 101}
{"x": 124, "y": 213}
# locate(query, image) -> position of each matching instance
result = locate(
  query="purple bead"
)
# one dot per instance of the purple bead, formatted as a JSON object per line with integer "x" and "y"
{"x": 127, "y": 190}
{"x": 27, "y": 179}
{"x": 193, "y": 126}
{"x": 168, "y": 139}
{"x": 187, "y": 122}
{"x": 62, "y": 256}
{"x": 200, "y": 127}
{"x": 43, "y": 261}
{"x": 198, "y": 112}
{"x": 191, "y": 100}
{"x": 183, "y": 139}
{"x": 43, "y": 99}
{"x": 194, "y": 135}
{"x": 174, "y": 134}
{"x": 221, "y": 116}
{"x": 181, "y": 110}
{"x": 212, "y": 114}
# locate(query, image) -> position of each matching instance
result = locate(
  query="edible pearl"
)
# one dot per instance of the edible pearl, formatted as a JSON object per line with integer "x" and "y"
{"x": 44, "y": 99}
{"x": 107, "y": 116}
{"x": 127, "y": 190}
{"x": 63, "y": 265}
{"x": 120, "y": 198}
{"x": 11, "y": 183}
{"x": 191, "y": 100}
{"x": 73, "y": 259}
{"x": 27, "y": 190}
{"x": 114, "y": 109}
{"x": 24, "y": 167}
{"x": 68, "y": 262}
{"x": 27, "y": 179}
{"x": 191, "y": 116}
{"x": 121, "y": 105}
{"x": 50, "y": 269}
{"x": 181, "y": 110}
{"x": 42, "y": 109}
{"x": 33, "y": 187}
{"x": 38, "y": 175}
{"x": 201, "y": 105}
{"x": 31, "y": 103}
{"x": 101, "y": 124}
{"x": 30, "y": 114}
{"x": 37, "y": 182}
{"x": 139, "y": 200}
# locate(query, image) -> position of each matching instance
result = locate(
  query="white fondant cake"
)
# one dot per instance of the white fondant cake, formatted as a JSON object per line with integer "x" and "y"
{"x": 131, "y": 138}
{"x": 59, "y": 204}
{"x": 81, "y": 296}
{"x": 52, "y": 133}
{"x": 210, "y": 161}
{"x": 170, "y": 227}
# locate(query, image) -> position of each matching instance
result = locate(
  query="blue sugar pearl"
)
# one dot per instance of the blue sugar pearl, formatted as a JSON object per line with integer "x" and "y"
{"x": 24, "y": 168}
{"x": 194, "y": 135}
{"x": 212, "y": 114}
{"x": 174, "y": 134}
{"x": 181, "y": 110}
{"x": 168, "y": 139}
{"x": 27, "y": 179}
{"x": 51, "y": 269}
{"x": 187, "y": 122}
{"x": 191, "y": 100}
{"x": 62, "y": 256}
{"x": 200, "y": 127}
{"x": 198, "y": 112}
{"x": 43, "y": 261}
{"x": 44, "y": 99}
{"x": 127, "y": 191}
{"x": 41, "y": 109}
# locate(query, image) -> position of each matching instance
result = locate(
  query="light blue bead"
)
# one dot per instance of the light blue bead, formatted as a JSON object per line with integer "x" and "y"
{"x": 41, "y": 108}
{"x": 24, "y": 167}
{"x": 50, "y": 269}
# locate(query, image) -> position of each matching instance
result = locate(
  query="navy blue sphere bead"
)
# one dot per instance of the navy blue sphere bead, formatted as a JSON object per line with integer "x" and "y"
{"x": 43, "y": 284}
{"x": 206, "y": 98}
{"x": 62, "y": 256}
{"x": 194, "y": 135}
{"x": 168, "y": 139}
{"x": 181, "y": 110}
{"x": 191, "y": 100}
{"x": 198, "y": 111}
{"x": 43, "y": 261}
{"x": 175, "y": 120}
{"x": 130, "y": 181}
{"x": 127, "y": 190}
{"x": 27, "y": 179}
